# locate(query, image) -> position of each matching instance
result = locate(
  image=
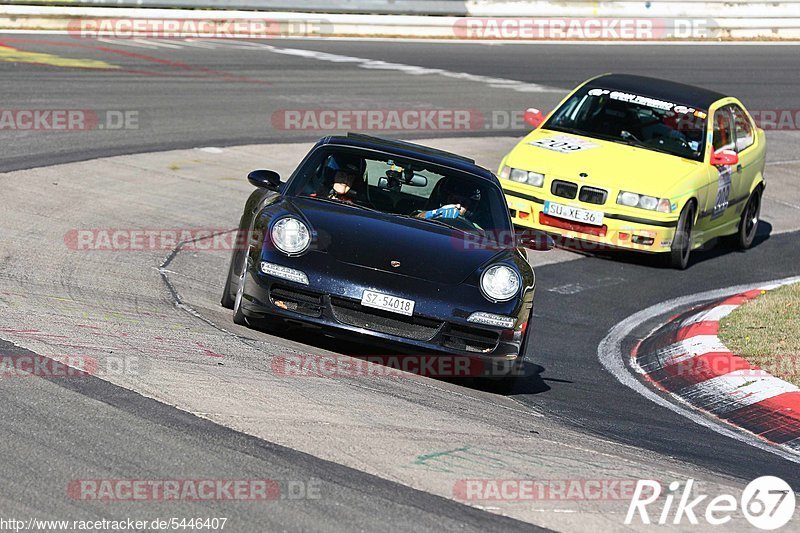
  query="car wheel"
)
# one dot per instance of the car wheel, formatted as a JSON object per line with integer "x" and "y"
{"x": 682, "y": 242}
{"x": 238, "y": 316}
{"x": 228, "y": 296}
{"x": 748, "y": 226}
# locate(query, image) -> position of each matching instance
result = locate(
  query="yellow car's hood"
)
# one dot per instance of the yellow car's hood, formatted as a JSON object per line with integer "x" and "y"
{"x": 607, "y": 164}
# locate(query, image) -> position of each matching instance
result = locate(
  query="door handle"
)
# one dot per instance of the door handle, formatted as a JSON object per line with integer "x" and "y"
{"x": 738, "y": 168}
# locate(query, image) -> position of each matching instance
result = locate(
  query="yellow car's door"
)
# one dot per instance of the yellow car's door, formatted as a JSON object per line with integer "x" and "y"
{"x": 750, "y": 156}
{"x": 716, "y": 213}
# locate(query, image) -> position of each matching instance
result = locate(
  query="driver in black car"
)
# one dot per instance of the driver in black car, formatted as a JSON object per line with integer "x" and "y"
{"x": 457, "y": 200}
{"x": 347, "y": 181}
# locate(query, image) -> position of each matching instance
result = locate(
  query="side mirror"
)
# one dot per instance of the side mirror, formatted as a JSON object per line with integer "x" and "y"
{"x": 536, "y": 240}
{"x": 269, "y": 179}
{"x": 533, "y": 116}
{"x": 724, "y": 157}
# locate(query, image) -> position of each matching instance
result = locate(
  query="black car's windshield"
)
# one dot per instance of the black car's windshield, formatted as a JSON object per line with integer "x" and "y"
{"x": 632, "y": 119}
{"x": 402, "y": 187}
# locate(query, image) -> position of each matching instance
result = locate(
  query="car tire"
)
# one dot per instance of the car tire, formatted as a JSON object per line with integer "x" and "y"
{"x": 748, "y": 225}
{"x": 238, "y": 316}
{"x": 228, "y": 298}
{"x": 681, "y": 247}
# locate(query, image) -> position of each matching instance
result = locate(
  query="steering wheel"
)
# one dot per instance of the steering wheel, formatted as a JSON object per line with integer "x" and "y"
{"x": 460, "y": 223}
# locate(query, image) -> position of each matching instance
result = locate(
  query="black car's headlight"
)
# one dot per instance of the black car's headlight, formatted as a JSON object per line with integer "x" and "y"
{"x": 290, "y": 235}
{"x": 500, "y": 283}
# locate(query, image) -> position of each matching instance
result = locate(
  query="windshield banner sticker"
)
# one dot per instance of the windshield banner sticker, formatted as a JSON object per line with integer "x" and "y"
{"x": 564, "y": 144}
{"x": 648, "y": 102}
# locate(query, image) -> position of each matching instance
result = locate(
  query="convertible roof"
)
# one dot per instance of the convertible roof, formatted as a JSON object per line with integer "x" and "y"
{"x": 670, "y": 91}
{"x": 408, "y": 149}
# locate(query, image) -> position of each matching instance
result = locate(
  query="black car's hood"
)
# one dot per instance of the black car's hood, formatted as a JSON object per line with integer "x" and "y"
{"x": 374, "y": 240}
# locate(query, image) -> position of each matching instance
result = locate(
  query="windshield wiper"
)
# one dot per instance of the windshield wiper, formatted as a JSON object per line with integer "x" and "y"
{"x": 348, "y": 204}
{"x": 633, "y": 141}
{"x": 574, "y": 131}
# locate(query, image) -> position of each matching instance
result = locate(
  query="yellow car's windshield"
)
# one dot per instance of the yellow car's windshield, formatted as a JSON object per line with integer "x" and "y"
{"x": 633, "y": 119}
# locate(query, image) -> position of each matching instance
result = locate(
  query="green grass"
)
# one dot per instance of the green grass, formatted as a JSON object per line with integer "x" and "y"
{"x": 766, "y": 332}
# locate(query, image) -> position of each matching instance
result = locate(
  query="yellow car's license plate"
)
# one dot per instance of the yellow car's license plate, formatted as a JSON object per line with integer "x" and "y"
{"x": 576, "y": 214}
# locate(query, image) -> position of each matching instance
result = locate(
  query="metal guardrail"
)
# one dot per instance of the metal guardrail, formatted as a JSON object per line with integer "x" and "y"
{"x": 461, "y": 8}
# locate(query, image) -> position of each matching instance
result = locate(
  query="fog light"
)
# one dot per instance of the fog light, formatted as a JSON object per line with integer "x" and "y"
{"x": 644, "y": 241}
{"x": 284, "y": 272}
{"x": 491, "y": 319}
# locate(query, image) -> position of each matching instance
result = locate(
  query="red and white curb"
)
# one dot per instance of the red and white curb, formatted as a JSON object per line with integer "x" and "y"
{"x": 614, "y": 354}
{"x": 686, "y": 359}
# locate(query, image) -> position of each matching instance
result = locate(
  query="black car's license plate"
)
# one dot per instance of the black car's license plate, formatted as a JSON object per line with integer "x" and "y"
{"x": 388, "y": 302}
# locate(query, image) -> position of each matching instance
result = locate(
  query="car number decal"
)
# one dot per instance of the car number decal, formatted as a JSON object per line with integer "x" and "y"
{"x": 564, "y": 144}
{"x": 723, "y": 191}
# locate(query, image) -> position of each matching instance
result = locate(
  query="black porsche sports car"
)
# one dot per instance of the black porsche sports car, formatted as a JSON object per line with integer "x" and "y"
{"x": 390, "y": 242}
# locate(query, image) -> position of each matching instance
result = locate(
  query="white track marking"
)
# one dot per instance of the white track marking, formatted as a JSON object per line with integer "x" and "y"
{"x": 194, "y": 43}
{"x": 689, "y": 349}
{"x": 126, "y": 42}
{"x": 413, "y": 70}
{"x": 715, "y": 314}
{"x": 736, "y": 389}
{"x": 611, "y": 356}
{"x": 159, "y": 43}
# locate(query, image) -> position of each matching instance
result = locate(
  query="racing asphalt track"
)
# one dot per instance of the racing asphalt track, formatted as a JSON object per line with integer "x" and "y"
{"x": 575, "y": 421}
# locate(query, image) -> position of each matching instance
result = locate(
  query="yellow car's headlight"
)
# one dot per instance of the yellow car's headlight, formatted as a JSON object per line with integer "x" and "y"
{"x": 642, "y": 201}
{"x": 522, "y": 176}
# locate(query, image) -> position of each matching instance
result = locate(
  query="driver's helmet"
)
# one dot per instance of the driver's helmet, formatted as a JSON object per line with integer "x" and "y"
{"x": 454, "y": 191}
{"x": 348, "y": 164}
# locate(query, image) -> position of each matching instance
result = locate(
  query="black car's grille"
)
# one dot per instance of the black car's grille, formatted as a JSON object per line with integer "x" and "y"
{"x": 564, "y": 189}
{"x": 291, "y": 299}
{"x": 410, "y": 327}
{"x": 470, "y": 339}
{"x": 593, "y": 196}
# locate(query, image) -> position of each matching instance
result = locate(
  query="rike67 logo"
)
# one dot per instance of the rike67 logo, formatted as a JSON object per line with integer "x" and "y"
{"x": 767, "y": 502}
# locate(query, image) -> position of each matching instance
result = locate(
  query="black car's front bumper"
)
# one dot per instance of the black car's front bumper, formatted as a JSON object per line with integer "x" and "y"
{"x": 267, "y": 297}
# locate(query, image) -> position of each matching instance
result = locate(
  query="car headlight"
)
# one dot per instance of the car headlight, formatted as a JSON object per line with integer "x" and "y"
{"x": 500, "y": 283}
{"x": 522, "y": 176}
{"x": 290, "y": 235}
{"x": 642, "y": 201}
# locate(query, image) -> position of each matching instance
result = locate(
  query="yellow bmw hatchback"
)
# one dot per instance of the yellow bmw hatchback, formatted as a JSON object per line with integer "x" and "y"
{"x": 641, "y": 164}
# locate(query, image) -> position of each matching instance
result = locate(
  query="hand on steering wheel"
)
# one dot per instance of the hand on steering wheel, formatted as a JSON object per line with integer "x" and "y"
{"x": 448, "y": 212}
